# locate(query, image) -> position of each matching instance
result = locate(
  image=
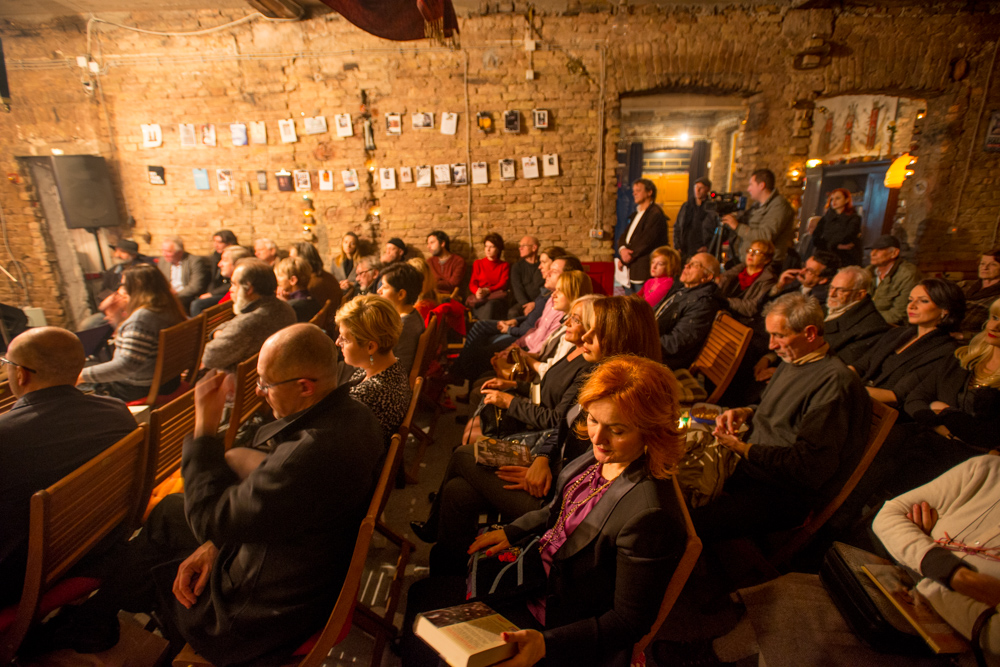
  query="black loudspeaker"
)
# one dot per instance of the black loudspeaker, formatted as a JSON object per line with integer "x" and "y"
{"x": 85, "y": 192}
{"x": 4, "y": 88}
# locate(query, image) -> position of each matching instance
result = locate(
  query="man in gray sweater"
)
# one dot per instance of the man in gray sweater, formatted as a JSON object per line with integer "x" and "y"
{"x": 259, "y": 313}
{"x": 805, "y": 438}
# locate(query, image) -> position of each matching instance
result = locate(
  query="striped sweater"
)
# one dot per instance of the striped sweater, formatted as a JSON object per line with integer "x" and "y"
{"x": 136, "y": 344}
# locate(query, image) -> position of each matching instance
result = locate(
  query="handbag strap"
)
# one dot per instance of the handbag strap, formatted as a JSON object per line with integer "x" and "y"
{"x": 520, "y": 567}
{"x": 977, "y": 634}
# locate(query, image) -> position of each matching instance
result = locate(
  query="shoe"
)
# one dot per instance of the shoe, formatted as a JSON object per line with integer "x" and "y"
{"x": 424, "y": 531}
{"x": 74, "y": 629}
{"x": 685, "y": 654}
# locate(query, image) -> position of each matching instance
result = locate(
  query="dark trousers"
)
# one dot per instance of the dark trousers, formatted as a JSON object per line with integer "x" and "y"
{"x": 131, "y": 392}
{"x": 481, "y": 342}
{"x": 199, "y": 305}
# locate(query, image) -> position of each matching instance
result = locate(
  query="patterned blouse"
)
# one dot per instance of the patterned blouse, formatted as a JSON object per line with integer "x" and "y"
{"x": 387, "y": 395}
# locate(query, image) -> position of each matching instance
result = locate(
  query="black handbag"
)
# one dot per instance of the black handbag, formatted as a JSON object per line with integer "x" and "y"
{"x": 496, "y": 422}
{"x": 515, "y": 572}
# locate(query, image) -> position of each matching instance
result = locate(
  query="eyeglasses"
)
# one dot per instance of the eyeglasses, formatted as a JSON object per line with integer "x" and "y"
{"x": 754, "y": 251}
{"x": 265, "y": 387}
{"x": 363, "y": 272}
{"x": 6, "y": 361}
{"x": 837, "y": 290}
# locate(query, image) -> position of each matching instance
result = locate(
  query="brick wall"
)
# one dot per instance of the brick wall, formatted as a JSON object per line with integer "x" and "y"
{"x": 271, "y": 71}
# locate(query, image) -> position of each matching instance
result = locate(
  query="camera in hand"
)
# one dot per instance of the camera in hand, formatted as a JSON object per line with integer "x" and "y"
{"x": 725, "y": 203}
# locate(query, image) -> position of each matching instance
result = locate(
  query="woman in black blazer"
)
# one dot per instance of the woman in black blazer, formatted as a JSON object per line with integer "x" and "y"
{"x": 903, "y": 357}
{"x": 610, "y": 538}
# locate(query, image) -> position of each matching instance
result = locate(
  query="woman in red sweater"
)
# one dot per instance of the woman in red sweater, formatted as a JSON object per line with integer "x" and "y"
{"x": 490, "y": 277}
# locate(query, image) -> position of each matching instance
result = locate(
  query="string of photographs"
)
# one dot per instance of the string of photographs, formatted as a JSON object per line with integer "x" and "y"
{"x": 193, "y": 135}
{"x": 424, "y": 176}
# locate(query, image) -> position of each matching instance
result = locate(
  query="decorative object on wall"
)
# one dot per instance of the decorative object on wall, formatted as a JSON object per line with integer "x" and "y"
{"x": 208, "y": 134}
{"x": 484, "y": 121}
{"x": 872, "y": 127}
{"x": 826, "y": 136}
{"x": 393, "y": 123}
{"x": 424, "y": 176}
{"x": 449, "y": 123}
{"x": 315, "y": 124}
{"x": 507, "y": 170}
{"x": 157, "y": 175}
{"x": 366, "y": 131}
{"x": 512, "y": 122}
{"x": 152, "y": 136}
{"x": 529, "y": 165}
{"x": 480, "y": 173}
{"x": 387, "y": 178}
{"x": 992, "y": 143}
{"x": 262, "y": 180}
{"x": 238, "y": 132}
{"x": 201, "y": 179}
{"x": 422, "y": 120}
{"x": 461, "y": 174}
{"x": 350, "y": 178}
{"x": 442, "y": 174}
{"x": 303, "y": 183}
{"x": 849, "y": 128}
{"x": 550, "y": 165}
{"x": 405, "y": 175}
{"x": 188, "y": 137}
{"x": 345, "y": 128}
{"x": 326, "y": 179}
{"x": 258, "y": 132}
{"x": 286, "y": 128}
{"x": 540, "y": 118}
{"x": 224, "y": 179}
{"x": 284, "y": 179}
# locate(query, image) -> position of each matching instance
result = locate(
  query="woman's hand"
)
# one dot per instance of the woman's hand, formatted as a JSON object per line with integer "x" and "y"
{"x": 493, "y": 541}
{"x": 514, "y": 475}
{"x": 530, "y": 648}
{"x": 923, "y": 516}
{"x": 501, "y": 399}
{"x": 499, "y": 383}
{"x": 538, "y": 480}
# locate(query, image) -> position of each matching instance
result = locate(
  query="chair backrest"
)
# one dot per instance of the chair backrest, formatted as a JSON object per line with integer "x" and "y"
{"x": 215, "y": 316}
{"x": 7, "y": 397}
{"x": 245, "y": 398}
{"x": 685, "y": 566}
{"x": 72, "y": 516}
{"x": 883, "y": 417}
{"x": 321, "y": 317}
{"x": 348, "y": 596}
{"x": 404, "y": 428}
{"x": 422, "y": 354}
{"x": 722, "y": 353}
{"x": 179, "y": 353}
{"x": 168, "y": 426}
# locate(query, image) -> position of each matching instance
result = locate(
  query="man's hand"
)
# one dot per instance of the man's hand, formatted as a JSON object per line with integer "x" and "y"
{"x": 345, "y": 285}
{"x": 493, "y": 541}
{"x": 762, "y": 370}
{"x": 193, "y": 574}
{"x": 528, "y": 307}
{"x": 625, "y": 254}
{"x": 730, "y": 221}
{"x": 923, "y": 516}
{"x": 939, "y": 406}
{"x": 787, "y": 278}
{"x": 499, "y": 384}
{"x": 501, "y": 399}
{"x": 730, "y": 421}
{"x": 209, "y": 400}
{"x": 504, "y": 325}
{"x": 731, "y": 442}
{"x": 845, "y": 246}
{"x": 205, "y": 295}
{"x": 530, "y": 648}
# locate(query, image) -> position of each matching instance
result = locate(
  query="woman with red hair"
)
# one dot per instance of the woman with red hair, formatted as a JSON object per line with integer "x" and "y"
{"x": 839, "y": 230}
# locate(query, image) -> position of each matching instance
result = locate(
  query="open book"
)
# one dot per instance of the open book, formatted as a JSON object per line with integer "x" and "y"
{"x": 467, "y": 635}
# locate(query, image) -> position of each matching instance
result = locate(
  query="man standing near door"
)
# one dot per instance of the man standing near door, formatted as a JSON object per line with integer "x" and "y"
{"x": 646, "y": 232}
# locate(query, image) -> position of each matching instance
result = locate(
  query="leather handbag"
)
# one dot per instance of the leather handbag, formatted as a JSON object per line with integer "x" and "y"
{"x": 515, "y": 572}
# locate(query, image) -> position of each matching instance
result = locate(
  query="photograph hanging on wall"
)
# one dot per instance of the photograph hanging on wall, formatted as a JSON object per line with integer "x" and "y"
{"x": 201, "y": 179}
{"x": 152, "y": 136}
{"x": 480, "y": 173}
{"x": 393, "y": 123}
{"x": 188, "y": 137}
{"x": 449, "y": 123}
{"x": 442, "y": 174}
{"x": 157, "y": 175}
{"x": 422, "y": 120}
{"x": 405, "y": 175}
{"x": 550, "y": 165}
{"x": 208, "y": 134}
{"x": 315, "y": 124}
{"x": 238, "y": 132}
{"x": 484, "y": 120}
{"x": 286, "y": 128}
{"x": 345, "y": 128}
{"x": 224, "y": 178}
{"x": 262, "y": 180}
{"x": 460, "y": 174}
{"x": 541, "y": 118}
{"x": 387, "y": 177}
{"x": 258, "y": 132}
{"x": 424, "y": 176}
{"x": 302, "y": 181}
{"x": 284, "y": 179}
{"x": 507, "y": 170}
{"x": 326, "y": 179}
{"x": 529, "y": 165}
{"x": 992, "y": 142}
{"x": 512, "y": 121}
{"x": 350, "y": 178}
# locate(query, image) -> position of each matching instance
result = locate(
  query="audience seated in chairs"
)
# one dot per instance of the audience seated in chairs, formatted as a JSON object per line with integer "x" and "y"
{"x": 610, "y": 538}
{"x": 894, "y": 277}
{"x": 345, "y": 265}
{"x": 369, "y": 329}
{"x": 189, "y": 275}
{"x": 428, "y": 299}
{"x": 227, "y": 264}
{"x": 664, "y": 265}
{"x": 684, "y": 317}
{"x": 367, "y": 271}
{"x": 218, "y": 286}
{"x": 745, "y": 287}
{"x": 151, "y": 307}
{"x": 263, "y": 558}
{"x": 526, "y": 279}
{"x": 401, "y": 285}
{"x": 571, "y": 286}
{"x": 294, "y": 274}
{"x": 445, "y": 267}
{"x": 490, "y": 281}
{"x": 322, "y": 285}
{"x": 50, "y": 431}
{"x": 266, "y": 251}
{"x": 980, "y": 293}
{"x": 258, "y": 314}
{"x": 127, "y": 252}
{"x": 903, "y": 357}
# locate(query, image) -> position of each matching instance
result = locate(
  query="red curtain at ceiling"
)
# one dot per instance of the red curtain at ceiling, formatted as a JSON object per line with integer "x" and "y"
{"x": 400, "y": 20}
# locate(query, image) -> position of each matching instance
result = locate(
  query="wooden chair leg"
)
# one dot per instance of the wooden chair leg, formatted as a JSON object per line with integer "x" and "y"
{"x": 423, "y": 441}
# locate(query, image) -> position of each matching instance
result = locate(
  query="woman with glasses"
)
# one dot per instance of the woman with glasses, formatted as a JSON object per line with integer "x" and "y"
{"x": 745, "y": 287}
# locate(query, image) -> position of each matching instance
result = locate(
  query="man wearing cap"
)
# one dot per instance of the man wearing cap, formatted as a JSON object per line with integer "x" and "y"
{"x": 393, "y": 251}
{"x": 893, "y": 278}
{"x": 695, "y": 225}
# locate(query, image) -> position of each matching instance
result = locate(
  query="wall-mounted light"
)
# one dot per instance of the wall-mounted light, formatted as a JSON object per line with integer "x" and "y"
{"x": 375, "y": 211}
{"x": 685, "y": 136}
{"x": 370, "y": 164}
{"x": 815, "y": 162}
{"x": 899, "y": 170}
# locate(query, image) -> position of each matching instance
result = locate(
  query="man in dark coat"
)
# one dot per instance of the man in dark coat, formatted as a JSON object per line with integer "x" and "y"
{"x": 685, "y": 315}
{"x": 695, "y": 224}
{"x": 853, "y": 323}
{"x": 646, "y": 232}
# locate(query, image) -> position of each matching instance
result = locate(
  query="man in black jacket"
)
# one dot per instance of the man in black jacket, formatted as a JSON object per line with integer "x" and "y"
{"x": 685, "y": 315}
{"x": 853, "y": 323}
{"x": 695, "y": 224}
{"x": 646, "y": 232}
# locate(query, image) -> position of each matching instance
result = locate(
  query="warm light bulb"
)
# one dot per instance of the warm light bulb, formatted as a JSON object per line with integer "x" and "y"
{"x": 813, "y": 163}
{"x": 685, "y": 136}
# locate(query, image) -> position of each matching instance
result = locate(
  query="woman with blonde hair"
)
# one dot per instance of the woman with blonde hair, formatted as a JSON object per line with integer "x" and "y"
{"x": 664, "y": 267}
{"x": 345, "y": 264}
{"x": 369, "y": 328}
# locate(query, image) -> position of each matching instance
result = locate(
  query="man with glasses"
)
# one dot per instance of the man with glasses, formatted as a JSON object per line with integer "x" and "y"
{"x": 262, "y": 554}
{"x": 811, "y": 280}
{"x": 50, "y": 431}
{"x": 368, "y": 275}
{"x": 526, "y": 278}
{"x": 685, "y": 315}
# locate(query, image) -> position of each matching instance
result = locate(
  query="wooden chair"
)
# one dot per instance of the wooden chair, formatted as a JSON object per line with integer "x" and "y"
{"x": 320, "y": 318}
{"x": 168, "y": 426}
{"x": 722, "y": 353}
{"x": 67, "y": 520}
{"x": 216, "y": 316}
{"x": 692, "y": 551}
{"x": 421, "y": 359}
{"x": 179, "y": 355}
{"x": 316, "y": 650}
{"x": 7, "y": 397}
{"x": 245, "y": 399}
{"x": 406, "y": 429}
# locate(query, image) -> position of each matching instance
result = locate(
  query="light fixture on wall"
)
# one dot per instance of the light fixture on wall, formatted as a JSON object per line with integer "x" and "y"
{"x": 813, "y": 163}
{"x": 900, "y": 169}
{"x": 278, "y": 9}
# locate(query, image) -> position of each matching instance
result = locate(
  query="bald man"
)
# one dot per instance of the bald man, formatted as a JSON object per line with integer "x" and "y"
{"x": 525, "y": 278}
{"x": 263, "y": 559}
{"x": 51, "y": 430}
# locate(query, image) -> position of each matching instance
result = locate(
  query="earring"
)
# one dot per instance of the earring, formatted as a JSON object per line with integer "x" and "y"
{"x": 371, "y": 359}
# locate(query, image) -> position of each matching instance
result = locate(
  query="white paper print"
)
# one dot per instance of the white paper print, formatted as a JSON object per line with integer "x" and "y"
{"x": 315, "y": 125}
{"x": 208, "y": 134}
{"x": 302, "y": 181}
{"x": 350, "y": 178}
{"x": 326, "y": 179}
{"x": 387, "y": 177}
{"x": 152, "y": 136}
{"x": 449, "y": 123}
{"x": 541, "y": 118}
{"x": 345, "y": 128}
{"x": 460, "y": 174}
{"x": 529, "y": 165}
{"x": 507, "y": 170}
{"x": 550, "y": 165}
{"x": 422, "y": 120}
{"x": 424, "y": 176}
{"x": 258, "y": 132}
{"x": 393, "y": 123}
{"x": 224, "y": 177}
{"x": 480, "y": 173}
{"x": 287, "y": 130}
{"x": 238, "y": 132}
{"x": 188, "y": 137}
{"x": 405, "y": 175}
{"x": 442, "y": 174}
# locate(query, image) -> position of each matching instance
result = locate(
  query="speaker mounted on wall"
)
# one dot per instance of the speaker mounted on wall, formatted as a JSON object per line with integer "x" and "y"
{"x": 85, "y": 192}
{"x": 4, "y": 88}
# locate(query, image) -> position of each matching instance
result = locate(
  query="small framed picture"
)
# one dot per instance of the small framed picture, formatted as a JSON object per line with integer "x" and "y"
{"x": 262, "y": 180}
{"x": 540, "y": 118}
{"x": 238, "y": 133}
{"x": 224, "y": 178}
{"x": 189, "y": 139}
{"x": 345, "y": 128}
{"x": 405, "y": 175}
{"x": 512, "y": 122}
{"x": 480, "y": 173}
{"x": 284, "y": 180}
{"x": 442, "y": 174}
{"x": 315, "y": 125}
{"x": 550, "y": 165}
{"x": 393, "y": 123}
{"x": 152, "y": 136}
{"x": 460, "y": 174}
{"x": 326, "y": 180}
{"x": 350, "y": 178}
{"x": 387, "y": 178}
{"x": 422, "y": 120}
{"x": 529, "y": 167}
{"x": 449, "y": 123}
{"x": 208, "y": 134}
{"x": 157, "y": 175}
{"x": 484, "y": 120}
{"x": 258, "y": 132}
{"x": 424, "y": 176}
{"x": 302, "y": 181}
{"x": 507, "y": 170}
{"x": 286, "y": 128}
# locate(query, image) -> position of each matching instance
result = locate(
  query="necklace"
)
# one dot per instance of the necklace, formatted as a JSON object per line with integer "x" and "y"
{"x": 983, "y": 377}
{"x": 569, "y": 508}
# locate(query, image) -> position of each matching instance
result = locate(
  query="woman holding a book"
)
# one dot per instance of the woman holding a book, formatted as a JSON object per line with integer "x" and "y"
{"x": 609, "y": 540}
